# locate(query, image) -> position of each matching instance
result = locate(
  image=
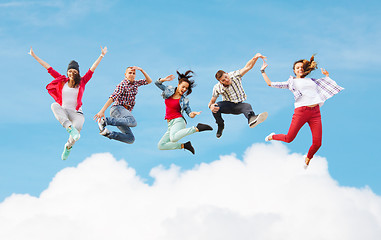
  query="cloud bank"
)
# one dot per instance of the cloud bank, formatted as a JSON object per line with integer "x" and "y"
{"x": 267, "y": 195}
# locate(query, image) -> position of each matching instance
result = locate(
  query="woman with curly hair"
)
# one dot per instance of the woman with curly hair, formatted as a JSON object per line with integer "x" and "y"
{"x": 309, "y": 94}
{"x": 176, "y": 103}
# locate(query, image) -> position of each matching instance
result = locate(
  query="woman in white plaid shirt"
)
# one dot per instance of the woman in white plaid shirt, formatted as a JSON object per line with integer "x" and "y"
{"x": 309, "y": 95}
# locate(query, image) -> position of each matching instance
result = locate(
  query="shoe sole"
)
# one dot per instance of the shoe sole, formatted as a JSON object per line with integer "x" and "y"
{"x": 261, "y": 118}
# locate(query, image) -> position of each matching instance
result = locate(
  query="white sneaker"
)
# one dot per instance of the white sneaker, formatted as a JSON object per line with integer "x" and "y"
{"x": 267, "y": 139}
{"x": 259, "y": 119}
{"x": 101, "y": 124}
{"x": 105, "y": 132}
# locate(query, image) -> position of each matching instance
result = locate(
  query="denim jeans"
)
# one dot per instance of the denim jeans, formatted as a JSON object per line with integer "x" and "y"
{"x": 176, "y": 131}
{"x": 227, "y": 107}
{"x": 123, "y": 120}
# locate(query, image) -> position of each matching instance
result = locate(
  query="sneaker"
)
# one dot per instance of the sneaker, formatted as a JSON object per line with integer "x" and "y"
{"x": 203, "y": 127}
{"x": 73, "y": 132}
{"x": 188, "y": 146}
{"x": 219, "y": 130}
{"x": 66, "y": 152}
{"x": 267, "y": 139}
{"x": 105, "y": 132}
{"x": 257, "y": 119}
{"x": 101, "y": 124}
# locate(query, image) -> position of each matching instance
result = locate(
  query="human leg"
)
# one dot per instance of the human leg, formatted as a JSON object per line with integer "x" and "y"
{"x": 77, "y": 119}
{"x": 123, "y": 119}
{"x": 298, "y": 120}
{"x": 316, "y": 130}
{"x": 62, "y": 115}
{"x": 178, "y": 130}
{"x": 120, "y": 116}
{"x": 166, "y": 144}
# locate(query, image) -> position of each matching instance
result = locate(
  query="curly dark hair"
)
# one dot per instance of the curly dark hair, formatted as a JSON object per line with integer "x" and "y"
{"x": 308, "y": 66}
{"x": 185, "y": 77}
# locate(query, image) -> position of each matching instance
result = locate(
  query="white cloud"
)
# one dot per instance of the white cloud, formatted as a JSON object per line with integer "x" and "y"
{"x": 268, "y": 195}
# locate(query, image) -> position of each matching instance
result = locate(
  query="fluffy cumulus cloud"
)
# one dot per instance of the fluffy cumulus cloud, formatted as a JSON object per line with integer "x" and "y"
{"x": 266, "y": 195}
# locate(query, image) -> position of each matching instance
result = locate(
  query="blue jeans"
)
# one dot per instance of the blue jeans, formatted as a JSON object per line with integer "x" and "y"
{"x": 227, "y": 107}
{"x": 122, "y": 119}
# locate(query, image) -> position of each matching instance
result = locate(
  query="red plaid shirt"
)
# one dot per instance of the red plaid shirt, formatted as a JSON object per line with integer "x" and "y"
{"x": 125, "y": 93}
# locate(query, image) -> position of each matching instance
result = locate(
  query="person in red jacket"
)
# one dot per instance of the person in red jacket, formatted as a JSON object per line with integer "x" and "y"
{"x": 67, "y": 93}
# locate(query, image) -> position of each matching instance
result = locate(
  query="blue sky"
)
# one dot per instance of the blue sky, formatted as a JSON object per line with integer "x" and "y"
{"x": 165, "y": 36}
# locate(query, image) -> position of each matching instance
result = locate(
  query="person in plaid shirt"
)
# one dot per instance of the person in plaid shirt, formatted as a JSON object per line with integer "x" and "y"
{"x": 309, "y": 95}
{"x": 123, "y": 101}
{"x": 233, "y": 96}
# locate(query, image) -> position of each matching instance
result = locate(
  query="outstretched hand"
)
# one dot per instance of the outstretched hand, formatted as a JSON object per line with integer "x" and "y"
{"x": 137, "y": 68}
{"x": 167, "y": 78}
{"x": 103, "y": 50}
{"x": 325, "y": 72}
{"x": 258, "y": 55}
{"x": 99, "y": 116}
{"x": 264, "y": 65}
{"x": 193, "y": 114}
{"x": 31, "y": 51}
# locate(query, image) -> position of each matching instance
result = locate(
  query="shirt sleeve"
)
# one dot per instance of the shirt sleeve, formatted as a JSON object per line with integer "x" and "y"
{"x": 87, "y": 76}
{"x": 53, "y": 73}
{"x": 215, "y": 93}
{"x": 141, "y": 82}
{"x": 118, "y": 91}
{"x": 280, "y": 84}
{"x": 235, "y": 74}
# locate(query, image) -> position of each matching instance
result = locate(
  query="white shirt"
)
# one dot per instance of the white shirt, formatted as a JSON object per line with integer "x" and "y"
{"x": 308, "y": 89}
{"x": 69, "y": 97}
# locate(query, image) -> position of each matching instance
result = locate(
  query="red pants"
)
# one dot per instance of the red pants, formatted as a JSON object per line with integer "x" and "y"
{"x": 302, "y": 115}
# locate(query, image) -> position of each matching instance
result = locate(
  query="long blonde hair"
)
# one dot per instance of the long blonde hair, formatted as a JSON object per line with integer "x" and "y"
{"x": 308, "y": 66}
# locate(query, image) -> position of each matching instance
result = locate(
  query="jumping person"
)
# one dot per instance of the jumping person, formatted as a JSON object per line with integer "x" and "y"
{"x": 67, "y": 93}
{"x": 233, "y": 96}
{"x": 123, "y": 102}
{"x": 176, "y": 103}
{"x": 309, "y": 95}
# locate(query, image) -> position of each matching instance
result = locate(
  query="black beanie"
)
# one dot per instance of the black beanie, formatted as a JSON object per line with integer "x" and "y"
{"x": 73, "y": 65}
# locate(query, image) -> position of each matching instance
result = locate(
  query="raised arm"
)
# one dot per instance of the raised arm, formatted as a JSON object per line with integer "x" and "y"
{"x": 96, "y": 63}
{"x": 147, "y": 77}
{"x": 42, "y": 62}
{"x": 159, "y": 83}
{"x": 264, "y": 75}
{"x": 250, "y": 64}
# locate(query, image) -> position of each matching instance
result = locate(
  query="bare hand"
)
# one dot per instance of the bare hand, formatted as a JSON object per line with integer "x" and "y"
{"x": 137, "y": 68}
{"x": 168, "y": 78}
{"x": 325, "y": 72}
{"x": 264, "y": 65}
{"x": 193, "y": 114}
{"x": 99, "y": 116}
{"x": 214, "y": 108}
{"x": 258, "y": 55}
{"x": 31, "y": 52}
{"x": 103, "y": 50}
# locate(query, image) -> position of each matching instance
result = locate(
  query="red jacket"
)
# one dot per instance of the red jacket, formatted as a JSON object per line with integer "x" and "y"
{"x": 55, "y": 87}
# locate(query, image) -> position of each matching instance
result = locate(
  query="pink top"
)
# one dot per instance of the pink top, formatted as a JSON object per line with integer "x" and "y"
{"x": 55, "y": 87}
{"x": 172, "y": 108}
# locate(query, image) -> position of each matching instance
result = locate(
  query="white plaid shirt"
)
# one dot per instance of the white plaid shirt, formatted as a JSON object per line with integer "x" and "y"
{"x": 325, "y": 87}
{"x": 232, "y": 93}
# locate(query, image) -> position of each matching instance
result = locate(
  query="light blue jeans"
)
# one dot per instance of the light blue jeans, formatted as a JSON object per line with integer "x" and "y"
{"x": 176, "y": 131}
{"x": 122, "y": 119}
